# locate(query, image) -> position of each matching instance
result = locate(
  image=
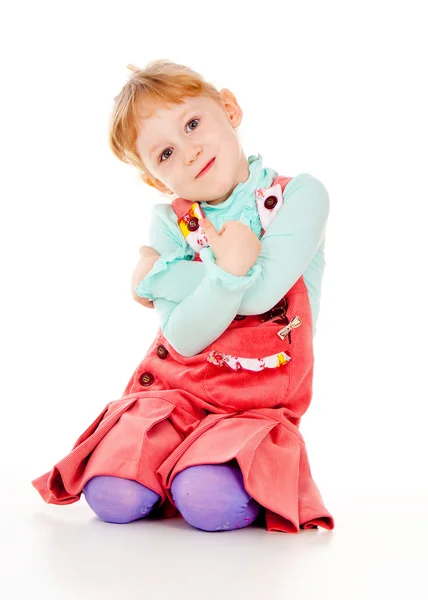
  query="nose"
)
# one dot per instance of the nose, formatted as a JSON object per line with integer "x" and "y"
{"x": 191, "y": 154}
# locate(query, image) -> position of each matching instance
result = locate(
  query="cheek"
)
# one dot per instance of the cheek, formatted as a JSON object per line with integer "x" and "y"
{"x": 230, "y": 142}
{"x": 175, "y": 173}
{"x": 154, "y": 170}
{"x": 166, "y": 171}
{"x": 175, "y": 180}
{"x": 218, "y": 134}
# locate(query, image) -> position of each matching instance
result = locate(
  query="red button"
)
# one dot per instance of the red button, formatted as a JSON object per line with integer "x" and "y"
{"x": 193, "y": 224}
{"x": 162, "y": 352}
{"x": 146, "y": 379}
{"x": 271, "y": 202}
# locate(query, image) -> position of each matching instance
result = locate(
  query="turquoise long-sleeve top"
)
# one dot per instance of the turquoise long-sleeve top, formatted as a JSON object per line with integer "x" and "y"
{"x": 196, "y": 301}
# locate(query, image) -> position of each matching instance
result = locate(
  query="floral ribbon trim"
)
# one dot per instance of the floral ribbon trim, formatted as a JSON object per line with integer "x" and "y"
{"x": 273, "y": 361}
{"x": 191, "y": 230}
{"x": 269, "y": 201}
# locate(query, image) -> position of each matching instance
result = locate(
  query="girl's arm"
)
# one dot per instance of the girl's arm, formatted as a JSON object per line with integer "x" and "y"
{"x": 288, "y": 246}
{"x": 202, "y": 315}
{"x": 194, "y": 323}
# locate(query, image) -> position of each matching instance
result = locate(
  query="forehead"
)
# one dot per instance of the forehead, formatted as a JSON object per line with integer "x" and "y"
{"x": 150, "y": 108}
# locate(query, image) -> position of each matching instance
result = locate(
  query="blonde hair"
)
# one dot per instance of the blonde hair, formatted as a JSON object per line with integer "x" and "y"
{"x": 162, "y": 81}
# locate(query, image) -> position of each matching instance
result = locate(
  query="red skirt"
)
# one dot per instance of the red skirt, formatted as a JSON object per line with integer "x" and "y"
{"x": 227, "y": 402}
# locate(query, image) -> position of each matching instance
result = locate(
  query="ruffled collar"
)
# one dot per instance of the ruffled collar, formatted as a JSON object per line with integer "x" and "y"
{"x": 259, "y": 177}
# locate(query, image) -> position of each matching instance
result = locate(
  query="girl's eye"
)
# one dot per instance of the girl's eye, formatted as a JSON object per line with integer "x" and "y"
{"x": 193, "y": 121}
{"x": 163, "y": 154}
{"x": 169, "y": 149}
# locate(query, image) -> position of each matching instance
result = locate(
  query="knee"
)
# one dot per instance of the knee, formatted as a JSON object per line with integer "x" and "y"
{"x": 213, "y": 497}
{"x": 118, "y": 500}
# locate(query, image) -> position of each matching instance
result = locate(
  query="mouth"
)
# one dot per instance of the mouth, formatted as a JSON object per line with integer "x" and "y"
{"x": 206, "y": 168}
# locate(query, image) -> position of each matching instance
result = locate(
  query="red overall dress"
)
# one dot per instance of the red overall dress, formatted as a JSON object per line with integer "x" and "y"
{"x": 241, "y": 398}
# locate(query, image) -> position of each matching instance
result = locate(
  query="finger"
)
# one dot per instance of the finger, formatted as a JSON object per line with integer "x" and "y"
{"x": 144, "y": 301}
{"x": 210, "y": 232}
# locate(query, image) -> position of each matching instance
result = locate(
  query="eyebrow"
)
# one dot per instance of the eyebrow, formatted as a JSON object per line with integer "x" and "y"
{"x": 180, "y": 116}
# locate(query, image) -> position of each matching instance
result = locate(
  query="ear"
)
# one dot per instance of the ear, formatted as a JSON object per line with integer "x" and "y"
{"x": 231, "y": 107}
{"x": 158, "y": 185}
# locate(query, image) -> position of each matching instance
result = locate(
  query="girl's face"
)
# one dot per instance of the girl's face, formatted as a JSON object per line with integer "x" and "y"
{"x": 178, "y": 140}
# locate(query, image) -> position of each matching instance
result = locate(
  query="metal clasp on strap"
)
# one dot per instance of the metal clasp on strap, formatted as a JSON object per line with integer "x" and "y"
{"x": 295, "y": 322}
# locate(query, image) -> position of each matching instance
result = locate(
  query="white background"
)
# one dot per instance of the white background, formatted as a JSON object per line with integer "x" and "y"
{"x": 335, "y": 89}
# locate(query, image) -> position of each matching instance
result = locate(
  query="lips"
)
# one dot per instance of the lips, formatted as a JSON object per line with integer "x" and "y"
{"x": 206, "y": 168}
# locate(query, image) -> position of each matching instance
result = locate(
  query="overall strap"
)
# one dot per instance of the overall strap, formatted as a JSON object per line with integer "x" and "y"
{"x": 188, "y": 215}
{"x": 283, "y": 181}
{"x": 181, "y": 206}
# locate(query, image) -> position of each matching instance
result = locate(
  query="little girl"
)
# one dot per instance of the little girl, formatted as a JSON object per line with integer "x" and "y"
{"x": 208, "y": 425}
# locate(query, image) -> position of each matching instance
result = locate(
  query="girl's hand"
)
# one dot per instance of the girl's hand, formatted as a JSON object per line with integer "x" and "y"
{"x": 236, "y": 247}
{"x": 148, "y": 257}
